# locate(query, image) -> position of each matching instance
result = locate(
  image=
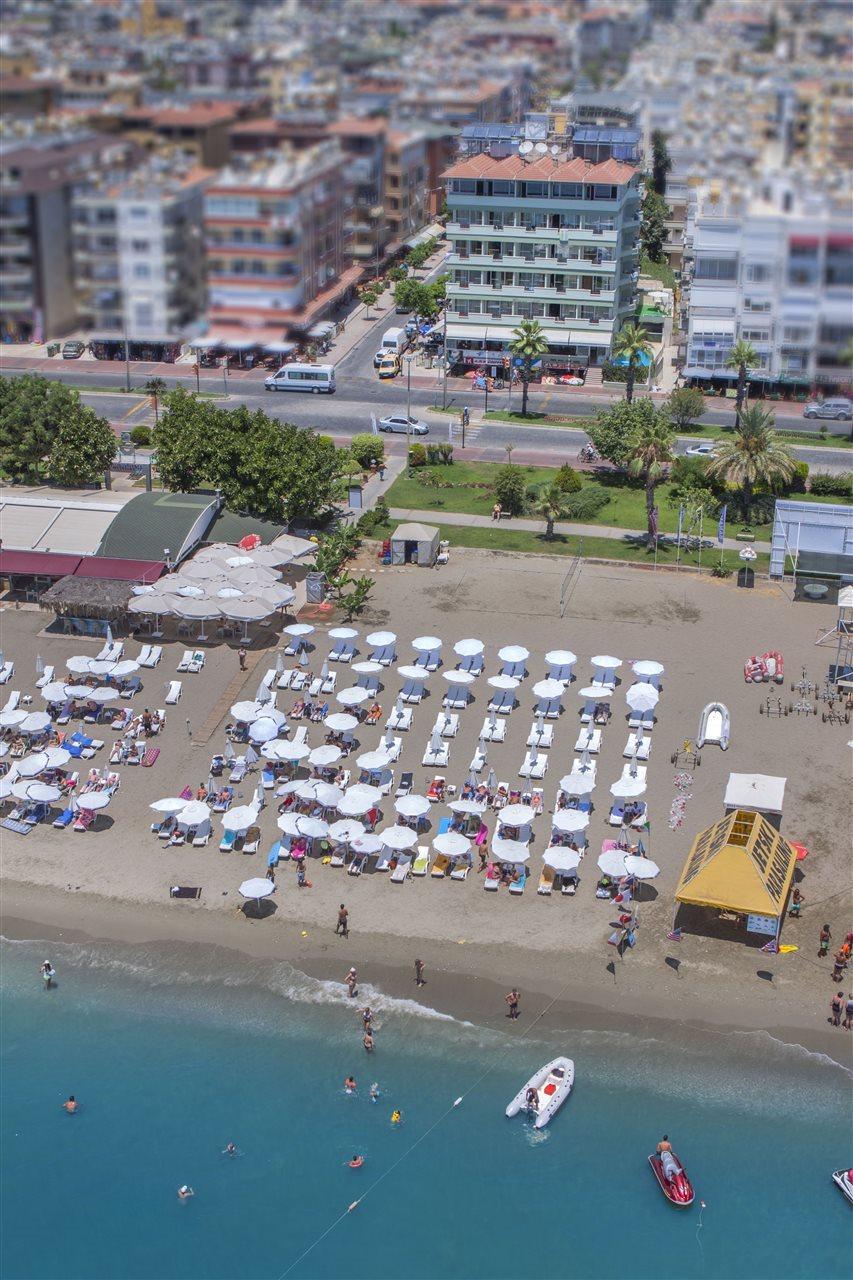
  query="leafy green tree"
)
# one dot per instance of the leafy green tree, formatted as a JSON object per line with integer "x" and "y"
{"x": 742, "y": 357}
{"x": 612, "y": 429}
{"x": 369, "y": 297}
{"x": 354, "y": 600}
{"x": 83, "y": 449}
{"x": 181, "y": 439}
{"x": 661, "y": 161}
{"x": 509, "y": 488}
{"x": 367, "y": 449}
{"x": 155, "y": 388}
{"x": 649, "y": 451}
{"x": 632, "y": 343}
{"x": 684, "y": 406}
{"x": 551, "y": 506}
{"x": 567, "y": 479}
{"x": 529, "y": 345}
{"x": 406, "y": 293}
{"x": 753, "y": 456}
{"x": 33, "y": 413}
{"x": 654, "y": 213}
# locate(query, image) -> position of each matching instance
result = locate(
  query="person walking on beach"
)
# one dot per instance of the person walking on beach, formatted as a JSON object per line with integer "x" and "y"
{"x": 351, "y": 981}
{"x": 796, "y": 907}
{"x": 342, "y": 927}
{"x": 848, "y": 1012}
{"x": 512, "y": 1000}
{"x": 420, "y": 980}
{"x": 838, "y": 965}
{"x": 836, "y": 1007}
{"x": 241, "y": 655}
{"x": 823, "y": 949}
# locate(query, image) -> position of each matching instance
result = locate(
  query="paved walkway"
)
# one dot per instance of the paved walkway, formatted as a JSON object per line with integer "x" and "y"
{"x": 537, "y": 526}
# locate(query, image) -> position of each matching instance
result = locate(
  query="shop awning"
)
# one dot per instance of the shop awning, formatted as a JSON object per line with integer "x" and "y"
{"x": 322, "y": 330}
{"x": 433, "y": 232}
{"x": 42, "y": 564}
{"x": 739, "y": 864}
{"x": 119, "y": 570}
{"x": 708, "y": 324}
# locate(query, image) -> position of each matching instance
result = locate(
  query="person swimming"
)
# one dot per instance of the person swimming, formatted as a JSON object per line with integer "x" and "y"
{"x": 396, "y": 1117}
{"x": 230, "y": 1149}
{"x": 356, "y": 1162}
{"x": 70, "y": 1104}
{"x": 185, "y": 1192}
{"x": 374, "y": 1092}
{"x": 349, "y": 1084}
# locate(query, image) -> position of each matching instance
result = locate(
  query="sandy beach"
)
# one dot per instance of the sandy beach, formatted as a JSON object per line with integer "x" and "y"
{"x": 112, "y": 882}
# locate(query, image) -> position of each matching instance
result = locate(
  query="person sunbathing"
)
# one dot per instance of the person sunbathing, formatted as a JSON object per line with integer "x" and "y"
{"x": 298, "y": 709}
{"x": 374, "y": 713}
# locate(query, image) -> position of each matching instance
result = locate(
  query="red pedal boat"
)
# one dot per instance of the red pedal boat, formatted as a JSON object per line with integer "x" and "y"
{"x": 673, "y": 1180}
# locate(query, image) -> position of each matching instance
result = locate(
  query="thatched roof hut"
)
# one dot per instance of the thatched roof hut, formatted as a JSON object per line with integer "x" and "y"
{"x": 81, "y": 597}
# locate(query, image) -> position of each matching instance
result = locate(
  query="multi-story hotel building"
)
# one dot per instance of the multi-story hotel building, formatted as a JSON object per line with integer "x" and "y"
{"x": 544, "y": 238}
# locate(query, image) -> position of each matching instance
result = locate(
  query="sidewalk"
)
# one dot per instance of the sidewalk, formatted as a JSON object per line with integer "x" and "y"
{"x": 537, "y": 526}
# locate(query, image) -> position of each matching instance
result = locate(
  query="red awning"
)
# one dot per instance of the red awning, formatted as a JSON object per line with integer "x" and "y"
{"x": 43, "y": 564}
{"x": 804, "y": 242}
{"x": 118, "y": 570}
{"x": 839, "y": 242}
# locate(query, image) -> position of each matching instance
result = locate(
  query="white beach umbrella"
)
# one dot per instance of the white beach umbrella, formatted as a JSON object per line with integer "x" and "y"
{"x": 642, "y": 697}
{"x": 101, "y": 666}
{"x": 126, "y": 667}
{"x": 6, "y": 785}
{"x": 368, "y": 667}
{"x": 513, "y": 653}
{"x": 510, "y": 850}
{"x": 142, "y": 589}
{"x": 374, "y": 761}
{"x": 452, "y": 844}
{"x": 560, "y": 658}
{"x": 257, "y": 888}
{"x": 36, "y": 792}
{"x": 398, "y": 837}
{"x": 468, "y": 648}
{"x": 55, "y": 691}
{"x": 612, "y": 862}
{"x": 81, "y": 666}
{"x": 93, "y": 800}
{"x": 345, "y": 830}
{"x": 169, "y": 804}
{"x": 427, "y": 644}
{"x": 381, "y": 639}
{"x": 747, "y": 553}
{"x": 357, "y": 800}
{"x": 194, "y": 813}
{"x": 201, "y": 570}
{"x": 249, "y": 609}
{"x": 461, "y": 679}
{"x": 199, "y": 610}
{"x": 240, "y": 818}
{"x": 577, "y": 784}
{"x": 248, "y": 711}
{"x": 34, "y": 722}
{"x": 77, "y": 690}
{"x": 340, "y": 722}
{"x": 606, "y": 662}
{"x": 641, "y": 868}
{"x": 300, "y": 824}
{"x": 343, "y": 633}
{"x": 516, "y": 815}
{"x": 412, "y": 806}
{"x": 238, "y": 561}
{"x": 570, "y": 820}
{"x": 271, "y": 557}
{"x": 354, "y": 696}
{"x": 595, "y": 693}
{"x": 57, "y": 757}
{"x": 226, "y": 592}
{"x": 561, "y": 859}
{"x": 264, "y": 729}
{"x": 322, "y": 757}
{"x": 418, "y": 675}
{"x": 628, "y": 786}
{"x": 304, "y": 660}
{"x": 467, "y": 806}
{"x": 9, "y": 719}
{"x": 298, "y": 630}
{"x": 285, "y": 750}
{"x": 326, "y": 794}
{"x": 645, "y": 669}
{"x": 504, "y": 682}
{"x": 103, "y": 695}
{"x": 549, "y": 689}
{"x": 157, "y": 602}
{"x": 368, "y": 843}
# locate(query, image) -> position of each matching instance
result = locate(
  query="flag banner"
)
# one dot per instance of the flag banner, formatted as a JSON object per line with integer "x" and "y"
{"x": 674, "y": 935}
{"x": 721, "y": 527}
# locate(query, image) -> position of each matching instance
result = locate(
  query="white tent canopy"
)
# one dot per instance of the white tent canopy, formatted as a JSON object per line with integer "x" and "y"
{"x": 755, "y": 792}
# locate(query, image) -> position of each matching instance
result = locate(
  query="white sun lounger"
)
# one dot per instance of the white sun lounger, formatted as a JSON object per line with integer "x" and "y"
{"x": 478, "y": 761}
{"x": 491, "y": 886}
{"x": 546, "y": 881}
{"x": 150, "y": 655}
{"x": 517, "y": 886}
{"x": 589, "y": 740}
{"x": 6, "y": 672}
{"x": 338, "y": 856}
{"x": 342, "y": 652}
{"x": 460, "y": 869}
{"x": 646, "y": 719}
{"x": 493, "y": 732}
{"x": 301, "y": 734}
{"x": 394, "y": 750}
{"x": 447, "y": 725}
{"x": 11, "y": 703}
{"x": 401, "y": 720}
{"x": 173, "y": 692}
{"x": 184, "y": 664}
{"x": 534, "y": 768}
{"x": 383, "y": 862}
{"x": 401, "y": 872}
{"x": 110, "y": 652}
{"x": 412, "y": 693}
{"x": 46, "y": 678}
{"x": 456, "y": 702}
{"x": 501, "y": 703}
{"x": 642, "y": 749}
{"x": 540, "y": 738}
{"x": 269, "y": 678}
{"x": 284, "y": 679}
{"x": 196, "y": 661}
{"x": 436, "y": 759}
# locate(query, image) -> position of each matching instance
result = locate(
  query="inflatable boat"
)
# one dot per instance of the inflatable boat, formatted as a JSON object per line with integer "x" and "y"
{"x": 843, "y": 1179}
{"x": 672, "y": 1179}
{"x": 774, "y": 667}
{"x": 551, "y": 1085}
{"x": 714, "y": 725}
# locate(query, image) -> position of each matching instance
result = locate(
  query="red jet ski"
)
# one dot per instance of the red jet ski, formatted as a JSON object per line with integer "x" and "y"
{"x": 673, "y": 1180}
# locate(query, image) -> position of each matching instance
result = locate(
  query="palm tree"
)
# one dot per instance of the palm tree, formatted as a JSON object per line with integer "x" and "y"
{"x": 752, "y": 456}
{"x": 551, "y": 507}
{"x": 742, "y": 357}
{"x": 650, "y": 451}
{"x": 632, "y": 342}
{"x": 155, "y": 388}
{"x": 530, "y": 345}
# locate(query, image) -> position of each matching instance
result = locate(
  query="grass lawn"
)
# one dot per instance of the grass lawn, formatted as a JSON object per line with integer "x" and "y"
{"x": 699, "y": 430}
{"x": 599, "y": 548}
{"x": 471, "y": 501}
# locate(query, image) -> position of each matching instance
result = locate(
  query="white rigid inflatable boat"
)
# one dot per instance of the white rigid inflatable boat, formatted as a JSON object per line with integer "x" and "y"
{"x": 714, "y": 726}
{"x": 553, "y": 1084}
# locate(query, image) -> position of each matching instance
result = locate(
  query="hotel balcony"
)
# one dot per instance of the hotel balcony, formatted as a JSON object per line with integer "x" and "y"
{"x": 519, "y": 262}
{"x": 533, "y": 293}
{"x": 550, "y": 235}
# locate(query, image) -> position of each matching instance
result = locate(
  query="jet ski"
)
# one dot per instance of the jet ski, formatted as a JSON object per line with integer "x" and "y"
{"x": 672, "y": 1178}
{"x": 843, "y": 1179}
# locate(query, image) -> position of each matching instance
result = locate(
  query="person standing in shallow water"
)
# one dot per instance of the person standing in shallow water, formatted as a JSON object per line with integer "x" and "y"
{"x": 420, "y": 980}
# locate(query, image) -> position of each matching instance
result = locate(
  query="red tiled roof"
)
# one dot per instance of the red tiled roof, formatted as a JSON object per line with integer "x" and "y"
{"x": 46, "y": 564}
{"x": 544, "y": 169}
{"x": 119, "y": 570}
{"x": 354, "y": 126}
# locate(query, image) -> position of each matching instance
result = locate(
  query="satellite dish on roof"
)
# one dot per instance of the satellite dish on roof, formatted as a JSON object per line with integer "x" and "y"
{"x": 541, "y": 148}
{"x": 524, "y": 148}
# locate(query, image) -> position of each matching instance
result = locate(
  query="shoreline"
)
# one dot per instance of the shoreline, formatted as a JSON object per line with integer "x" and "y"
{"x": 468, "y": 984}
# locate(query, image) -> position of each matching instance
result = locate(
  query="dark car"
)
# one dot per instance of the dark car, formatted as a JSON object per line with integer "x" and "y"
{"x": 73, "y": 349}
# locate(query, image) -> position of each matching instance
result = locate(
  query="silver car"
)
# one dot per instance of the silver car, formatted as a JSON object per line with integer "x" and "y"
{"x": 838, "y": 409}
{"x": 400, "y": 423}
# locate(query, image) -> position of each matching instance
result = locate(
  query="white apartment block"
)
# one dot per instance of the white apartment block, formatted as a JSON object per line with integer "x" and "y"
{"x": 773, "y": 267}
{"x": 545, "y": 238}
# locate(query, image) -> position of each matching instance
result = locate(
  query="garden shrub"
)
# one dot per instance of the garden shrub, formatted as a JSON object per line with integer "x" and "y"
{"x": 368, "y": 450}
{"x": 567, "y": 480}
{"x": 587, "y": 503}
{"x": 417, "y": 456}
{"x": 831, "y": 486}
{"x": 141, "y": 436}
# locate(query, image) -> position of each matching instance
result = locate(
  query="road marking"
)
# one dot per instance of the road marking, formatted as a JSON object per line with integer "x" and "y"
{"x": 144, "y": 402}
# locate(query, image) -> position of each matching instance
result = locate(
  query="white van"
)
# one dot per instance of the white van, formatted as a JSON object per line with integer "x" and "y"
{"x": 394, "y": 342}
{"x": 303, "y": 377}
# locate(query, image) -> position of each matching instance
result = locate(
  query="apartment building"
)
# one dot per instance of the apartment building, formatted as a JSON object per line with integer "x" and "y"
{"x": 405, "y": 200}
{"x": 275, "y": 237}
{"x": 362, "y": 141}
{"x": 202, "y": 128}
{"x": 539, "y": 237}
{"x": 37, "y": 180}
{"x": 772, "y": 264}
{"x": 139, "y": 262}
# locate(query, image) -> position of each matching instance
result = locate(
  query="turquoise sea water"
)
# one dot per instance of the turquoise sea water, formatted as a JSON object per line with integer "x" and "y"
{"x": 172, "y": 1053}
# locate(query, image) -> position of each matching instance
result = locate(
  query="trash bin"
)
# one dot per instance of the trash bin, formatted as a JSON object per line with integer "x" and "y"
{"x": 746, "y": 577}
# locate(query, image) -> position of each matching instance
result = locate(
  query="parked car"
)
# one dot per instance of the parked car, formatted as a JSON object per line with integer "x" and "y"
{"x": 839, "y": 408}
{"x": 389, "y": 366}
{"x": 399, "y": 423}
{"x": 703, "y": 450}
{"x": 73, "y": 349}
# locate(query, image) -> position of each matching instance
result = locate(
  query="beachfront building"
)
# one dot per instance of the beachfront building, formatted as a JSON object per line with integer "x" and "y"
{"x": 276, "y": 242}
{"x": 139, "y": 258}
{"x": 772, "y": 265}
{"x": 545, "y": 238}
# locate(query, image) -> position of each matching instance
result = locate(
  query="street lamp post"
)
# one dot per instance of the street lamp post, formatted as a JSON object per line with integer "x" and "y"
{"x": 126, "y": 354}
{"x": 408, "y": 360}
